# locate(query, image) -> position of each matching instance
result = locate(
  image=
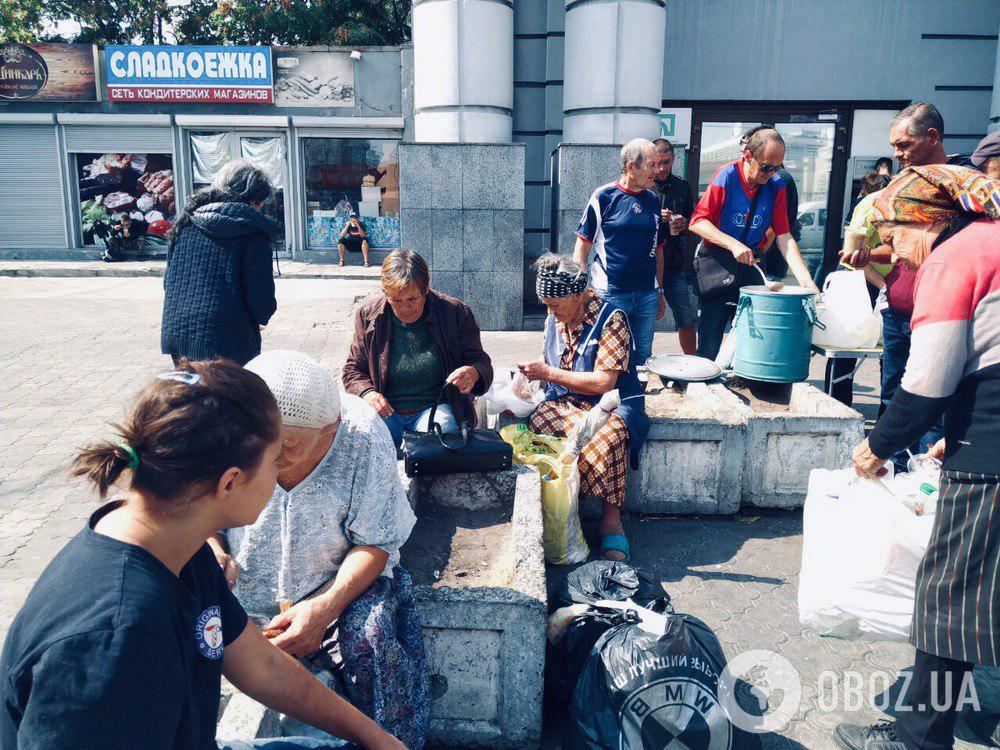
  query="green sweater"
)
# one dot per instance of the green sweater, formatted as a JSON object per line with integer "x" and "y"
{"x": 416, "y": 374}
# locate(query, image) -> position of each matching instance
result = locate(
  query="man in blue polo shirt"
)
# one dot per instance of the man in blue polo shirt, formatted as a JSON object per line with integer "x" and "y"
{"x": 621, "y": 226}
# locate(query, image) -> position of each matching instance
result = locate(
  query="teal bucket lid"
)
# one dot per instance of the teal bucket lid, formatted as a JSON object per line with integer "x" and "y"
{"x": 786, "y": 291}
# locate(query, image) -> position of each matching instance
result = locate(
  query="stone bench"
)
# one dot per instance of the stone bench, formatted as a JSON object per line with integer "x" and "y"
{"x": 477, "y": 564}
{"x": 713, "y": 448}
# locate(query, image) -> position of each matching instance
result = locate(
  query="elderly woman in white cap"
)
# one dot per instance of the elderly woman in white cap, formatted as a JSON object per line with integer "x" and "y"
{"x": 319, "y": 569}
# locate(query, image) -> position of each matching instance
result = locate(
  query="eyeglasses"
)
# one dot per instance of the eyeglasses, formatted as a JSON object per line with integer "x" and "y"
{"x": 767, "y": 168}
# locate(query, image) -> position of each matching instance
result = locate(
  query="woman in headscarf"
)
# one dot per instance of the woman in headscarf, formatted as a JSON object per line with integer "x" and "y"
{"x": 589, "y": 351}
{"x": 319, "y": 567}
{"x": 945, "y": 221}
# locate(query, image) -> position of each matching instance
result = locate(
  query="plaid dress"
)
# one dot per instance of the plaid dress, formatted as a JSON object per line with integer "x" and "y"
{"x": 604, "y": 462}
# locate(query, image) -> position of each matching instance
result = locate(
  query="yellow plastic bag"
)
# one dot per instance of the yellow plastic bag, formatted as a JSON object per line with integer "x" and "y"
{"x": 562, "y": 536}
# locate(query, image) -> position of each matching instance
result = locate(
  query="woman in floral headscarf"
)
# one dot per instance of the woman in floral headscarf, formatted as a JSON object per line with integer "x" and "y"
{"x": 945, "y": 221}
{"x": 923, "y": 205}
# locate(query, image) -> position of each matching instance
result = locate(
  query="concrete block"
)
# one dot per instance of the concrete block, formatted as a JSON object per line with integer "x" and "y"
{"x": 448, "y": 282}
{"x": 568, "y": 221}
{"x": 483, "y": 606}
{"x": 529, "y": 59}
{"x": 784, "y": 443}
{"x": 478, "y": 241}
{"x": 495, "y": 298}
{"x": 582, "y": 168}
{"x": 692, "y": 461}
{"x": 508, "y": 238}
{"x": 493, "y": 176}
{"x": 417, "y": 231}
{"x": 447, "y": 239}
{"x": 529, "y": 107}
{"x": 430, "y": 175}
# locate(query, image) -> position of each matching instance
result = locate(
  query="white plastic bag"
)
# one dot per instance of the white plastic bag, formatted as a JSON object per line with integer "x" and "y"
{"x": 593, "y": 421}
{"x": 846, "y": 314}
{"x": 727, "y": 351}
{"x": 861, "y": 545}
{"x": 513, "y": 393}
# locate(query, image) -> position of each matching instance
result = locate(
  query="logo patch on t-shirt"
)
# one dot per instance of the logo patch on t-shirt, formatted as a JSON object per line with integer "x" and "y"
{"x": 208, "y": 633}
{"x": 636, "y": 208}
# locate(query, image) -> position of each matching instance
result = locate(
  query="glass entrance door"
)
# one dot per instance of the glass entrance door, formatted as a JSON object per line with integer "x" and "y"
{"x": 209, "y": 151}
{"x": 809, "y": 157}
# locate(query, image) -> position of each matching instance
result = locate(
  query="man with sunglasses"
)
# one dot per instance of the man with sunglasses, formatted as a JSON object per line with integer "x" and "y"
{"x": 744, "y": 200}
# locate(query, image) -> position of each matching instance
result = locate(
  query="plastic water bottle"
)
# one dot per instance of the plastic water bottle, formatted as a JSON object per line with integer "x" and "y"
{"x": 929, "y": 496}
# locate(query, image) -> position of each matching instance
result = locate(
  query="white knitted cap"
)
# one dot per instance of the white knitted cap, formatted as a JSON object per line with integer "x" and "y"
{"x": 305, "y": 392}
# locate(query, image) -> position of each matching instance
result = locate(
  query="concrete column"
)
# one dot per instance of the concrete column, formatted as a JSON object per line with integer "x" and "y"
{"x": 614, "y": 70}
{"x": 463, "y": 59}
{"x": 994, "y": 123}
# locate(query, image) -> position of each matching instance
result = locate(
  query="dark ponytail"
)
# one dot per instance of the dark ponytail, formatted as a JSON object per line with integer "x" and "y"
{"x": 102, "y": 463}
{"x": 185, "y": 429}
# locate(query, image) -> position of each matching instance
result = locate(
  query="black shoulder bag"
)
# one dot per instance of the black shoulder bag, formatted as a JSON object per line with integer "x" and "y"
{"x": 434, "y": 452}
{"x": 717, "y": 271}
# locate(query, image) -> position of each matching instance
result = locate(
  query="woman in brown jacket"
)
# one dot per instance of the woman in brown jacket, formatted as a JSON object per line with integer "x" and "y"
{"x": 408, "y": 343}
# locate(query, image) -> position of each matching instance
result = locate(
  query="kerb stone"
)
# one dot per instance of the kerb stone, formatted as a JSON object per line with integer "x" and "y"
{"x": 692, "y": 461}
{"x": 486, "y": 644}
{"x": 783, "y": 446}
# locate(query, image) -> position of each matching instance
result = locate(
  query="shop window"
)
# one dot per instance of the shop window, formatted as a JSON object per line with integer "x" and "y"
{"x": 345, "y": 176}
{"x": 127, "y": 201}
{"x": 210, "y": 151}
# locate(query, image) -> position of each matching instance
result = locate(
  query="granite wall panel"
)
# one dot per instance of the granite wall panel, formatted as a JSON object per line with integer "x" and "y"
{"x": 462, "y": 207}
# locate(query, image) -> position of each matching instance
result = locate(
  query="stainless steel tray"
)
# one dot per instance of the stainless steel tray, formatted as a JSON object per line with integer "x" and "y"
{"x": 683, "y": 368}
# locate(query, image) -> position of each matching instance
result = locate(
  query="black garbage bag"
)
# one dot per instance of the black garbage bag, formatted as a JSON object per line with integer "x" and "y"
{"x": 607, "y": 579}
{"x": 653, "y": 685}
{"x": 593, "y": 582}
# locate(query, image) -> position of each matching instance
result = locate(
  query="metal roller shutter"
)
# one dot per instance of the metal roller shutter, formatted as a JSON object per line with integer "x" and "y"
{"x": 131, "y": 139}
{"x": 31, "y": 200}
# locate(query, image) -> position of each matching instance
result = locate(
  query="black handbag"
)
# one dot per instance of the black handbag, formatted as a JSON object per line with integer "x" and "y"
{"x": 434, "y": 452}
{"x": 717, "y": 272}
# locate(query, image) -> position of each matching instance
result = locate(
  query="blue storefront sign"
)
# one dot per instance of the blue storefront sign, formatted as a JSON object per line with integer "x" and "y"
{"x": 173, "y": 73}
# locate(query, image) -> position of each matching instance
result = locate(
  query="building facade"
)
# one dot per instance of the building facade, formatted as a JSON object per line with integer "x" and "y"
{"x": 478, "y": 144}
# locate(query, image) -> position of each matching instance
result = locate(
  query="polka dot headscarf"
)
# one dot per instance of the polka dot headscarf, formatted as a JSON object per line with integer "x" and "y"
{"x": 555, "y": 284}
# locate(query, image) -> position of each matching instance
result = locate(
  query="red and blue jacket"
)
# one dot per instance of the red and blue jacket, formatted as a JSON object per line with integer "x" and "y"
{"x": 726, "y": 203}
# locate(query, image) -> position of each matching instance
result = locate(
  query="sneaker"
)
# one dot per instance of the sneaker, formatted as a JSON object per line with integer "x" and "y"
{"x": 881, "y": 736}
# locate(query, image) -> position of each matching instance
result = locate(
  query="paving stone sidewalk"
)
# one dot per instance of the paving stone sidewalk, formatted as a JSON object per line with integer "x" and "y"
{"x": 290, "y": 269}
{"x": 73, "y": 351}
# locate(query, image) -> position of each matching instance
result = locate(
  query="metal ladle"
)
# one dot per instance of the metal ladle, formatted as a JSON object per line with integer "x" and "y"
{"x": 772, "y": 286}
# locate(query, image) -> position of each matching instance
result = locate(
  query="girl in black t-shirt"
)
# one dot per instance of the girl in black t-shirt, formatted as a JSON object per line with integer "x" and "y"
{"x": 124, "y": 638}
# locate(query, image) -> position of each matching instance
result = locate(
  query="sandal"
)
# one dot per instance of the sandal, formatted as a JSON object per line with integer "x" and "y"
{"x": 615, "y": 542}
{"x": 368, "y": 265}
{"x": 341, "y": 263}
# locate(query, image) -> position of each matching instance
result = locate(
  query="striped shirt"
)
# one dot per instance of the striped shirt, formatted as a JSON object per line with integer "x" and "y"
{"x": 954, "y": 361}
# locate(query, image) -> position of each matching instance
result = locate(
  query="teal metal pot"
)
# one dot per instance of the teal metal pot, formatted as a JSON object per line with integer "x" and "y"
{"x": 773, "y": 333}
